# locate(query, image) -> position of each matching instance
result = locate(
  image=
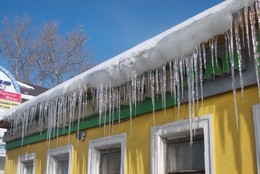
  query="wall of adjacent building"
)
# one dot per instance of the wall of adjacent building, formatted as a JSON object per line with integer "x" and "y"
{"x": 234, "y": 148}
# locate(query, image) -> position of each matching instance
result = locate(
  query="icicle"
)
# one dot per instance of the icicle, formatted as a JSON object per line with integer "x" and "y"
{"x": 138, "y": 90}
{"x": 24, "y": 124}
{"x": 163, "y": 87}
{"x": 72, "y": 107}
{"x": 238, "y": 45}
{"x": 134, "y": 90}
{"x": 157, "y": 82}
{"x": 114, "y": 103}
{"x": 152, "y": 90}
{"x": 119, "y": 103}
{"x": 247, "y": 31}
{"x": 177, "y": 82}
{"x": 204, "y": 56}
{"x": 174, "y": 81}
{"x": 54, "y": 115}
{"x": 32, "y": 111}
{"x": 201, "y": 74}
{"x": 143, "y": 87}
{"x": 213, "y": 51}
{"x": 59, "y": 115}
{"x": 49, "y": 121}
{"x": 241, "y": 24}
{"x": 211, "y": 45}
{"x": 65, "y": 106}
{"x": 94, "y": 94}
{"x": 129, "y": 89}
{"x": 257, "y": 12}
{"x": 85, "y": 102}
{"x": 105, "y": 99}
{"x": 196, "y": 73}
{"x": 255, "y": 45}
{"x": 226, "y": 35}
{"x": 231, "y": 53}
{"x": 110, "y": 105}
{"x": 171, "y": 78}
{"x": 41, "y": 116}
{"x": 181, "y": 75}
{"x": 100, "y": 98}
{"x": 190, "y": 81}
{"x": 216, "y": 49}
{"x": 80, "y": 103}
{"x": 125, "y": 92}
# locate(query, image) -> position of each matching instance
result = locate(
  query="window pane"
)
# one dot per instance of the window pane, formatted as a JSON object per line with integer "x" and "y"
{"x": 27, "y": 167}
{"x": 110, "y": 162}
{"x": 63, "y": 166}
{"x": 184, "y": 156}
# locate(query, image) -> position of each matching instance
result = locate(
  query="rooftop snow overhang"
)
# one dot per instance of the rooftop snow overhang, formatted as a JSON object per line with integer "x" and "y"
{"x": 151, "y": 54}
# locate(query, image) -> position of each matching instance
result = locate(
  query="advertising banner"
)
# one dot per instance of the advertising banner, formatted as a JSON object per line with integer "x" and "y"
{"x": 9, "y": 99}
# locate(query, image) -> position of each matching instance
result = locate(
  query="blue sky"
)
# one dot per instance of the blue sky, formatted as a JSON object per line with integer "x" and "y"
{"x": 113, "y": 26}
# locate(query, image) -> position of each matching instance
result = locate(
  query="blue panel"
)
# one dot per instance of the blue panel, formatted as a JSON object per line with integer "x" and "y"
{"x": 7, "y": 83}
{"x": 16, "y": 86}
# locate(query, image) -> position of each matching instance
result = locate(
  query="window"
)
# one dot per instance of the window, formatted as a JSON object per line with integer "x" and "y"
{"x": 59, "y": 160}
{"x": 26, "y": 164}
{"x": 107, "y": 155}
{"x": 110, "y": 161}
{"x": 256, "y": 117}
{"x": 172, "y": 152}
{"x": 184, "y": 157}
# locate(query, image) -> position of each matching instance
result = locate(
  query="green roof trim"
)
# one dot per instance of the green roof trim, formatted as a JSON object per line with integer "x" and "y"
{"x": 93, "y": 121}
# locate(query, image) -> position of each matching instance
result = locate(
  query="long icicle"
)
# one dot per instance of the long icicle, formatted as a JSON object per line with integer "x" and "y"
{"x": 201, "y": 74}
{"x": 231, "y": 53}
{"x": 152, "y": 90}
{"x": 177, "y": 82}
{"x": 188, "y": 63}
{"x": 238, "y": 46}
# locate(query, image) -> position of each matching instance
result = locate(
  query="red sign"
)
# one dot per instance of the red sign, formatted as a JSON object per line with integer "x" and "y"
{"x": 9, "y": 99}
{"x": 15, "y": 97}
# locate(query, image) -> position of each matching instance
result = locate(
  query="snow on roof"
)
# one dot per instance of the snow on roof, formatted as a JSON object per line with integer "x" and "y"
{"x": 151, "y": 54}
{"x": 25, "y": 85}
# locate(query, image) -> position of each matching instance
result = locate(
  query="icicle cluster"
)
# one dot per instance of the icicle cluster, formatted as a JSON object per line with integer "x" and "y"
{"x": 173, "y": 77}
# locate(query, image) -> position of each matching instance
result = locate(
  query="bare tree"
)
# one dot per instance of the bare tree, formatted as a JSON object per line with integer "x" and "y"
{"x": 15, "y": 45}
{"x": 61, "y": 56}
{"x": 46, "y": 57}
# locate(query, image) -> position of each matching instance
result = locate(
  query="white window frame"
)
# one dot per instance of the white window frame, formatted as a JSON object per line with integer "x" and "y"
{"x": 160, "y": 133}
{"x": 95, "y": 147}
{"x": 256, "y": 118}
{"x": 23, "y": 159}
{"x": 52, "y": 153}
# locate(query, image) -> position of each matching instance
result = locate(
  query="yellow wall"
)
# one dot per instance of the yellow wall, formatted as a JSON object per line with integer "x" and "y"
{"x": 234, "y": 149}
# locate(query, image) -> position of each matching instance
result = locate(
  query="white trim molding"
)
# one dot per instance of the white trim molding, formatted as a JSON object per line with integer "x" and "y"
{"x": 56, "y": 152}
{"x": 115, "y": 141}
{"x": 256, "y": 118}
{"x": 22, "y": 162}
{"x": 159, "y": 135}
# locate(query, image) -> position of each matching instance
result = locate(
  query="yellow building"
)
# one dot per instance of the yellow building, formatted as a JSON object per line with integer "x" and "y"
{"x": 185, "y": 101}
